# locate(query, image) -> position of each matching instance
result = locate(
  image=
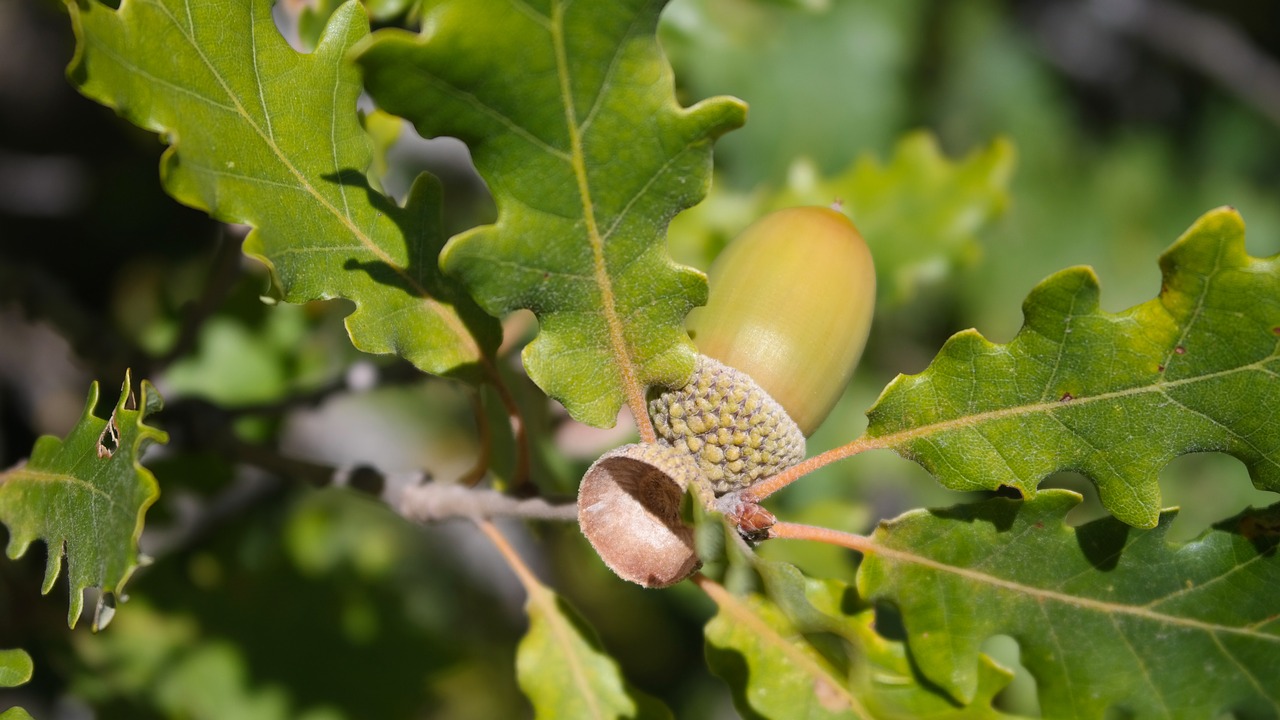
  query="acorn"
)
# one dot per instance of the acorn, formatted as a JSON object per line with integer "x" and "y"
{"x": 787, "y": 318}
{"x": 790, "y": 305}
{"x": 789, "y": 310}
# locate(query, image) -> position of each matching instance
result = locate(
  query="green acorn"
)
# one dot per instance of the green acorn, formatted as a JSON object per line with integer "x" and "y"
{"x": 791, "y": 304}
{"x": 788, "y": 315}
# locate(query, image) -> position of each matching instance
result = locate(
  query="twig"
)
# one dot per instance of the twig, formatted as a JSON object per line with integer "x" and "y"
{"x": 530, "y": 582}
{"x": 393, "y": 374}
{"x": 485, "y": 454}
{"x": 435, "y": 501}
{"x": 520, "y": 476}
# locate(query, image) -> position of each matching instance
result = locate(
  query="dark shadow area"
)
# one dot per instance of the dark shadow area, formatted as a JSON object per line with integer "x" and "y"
{"x": 731, "y": 667}
{"x": 1260, "y": 526}
{"x": 889, "y": 624}
{"x": 1001, "y": 512}
{"x": 420, "y": 224}
{"x": 1102, "y": 542}
{"x": 35, "y": 623}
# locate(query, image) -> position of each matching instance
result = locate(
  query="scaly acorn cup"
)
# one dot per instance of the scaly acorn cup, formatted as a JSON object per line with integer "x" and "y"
{"x": 629, "y": 509}
{"x": 735, "y": 432}
{"x": 790, "y": 307}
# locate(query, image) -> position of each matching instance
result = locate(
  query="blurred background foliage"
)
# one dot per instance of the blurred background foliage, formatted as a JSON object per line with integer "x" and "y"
{"x": 269, "y": 599}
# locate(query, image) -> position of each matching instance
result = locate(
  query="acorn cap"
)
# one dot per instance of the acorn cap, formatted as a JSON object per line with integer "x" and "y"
{"x": 629, "y": 509}
{"x": 790, "y": 304}
{"x": 734, "y": 431}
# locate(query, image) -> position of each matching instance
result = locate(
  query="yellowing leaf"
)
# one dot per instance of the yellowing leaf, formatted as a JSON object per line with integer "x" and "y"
{"x": 565, "y": 673}
{"x": 560, "y": 664}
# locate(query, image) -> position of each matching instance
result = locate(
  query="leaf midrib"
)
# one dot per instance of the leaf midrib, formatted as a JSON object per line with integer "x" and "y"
{"x": 727, "y": 602}
{"x": 43, "y": 476}
{"x": 631, "y": 385}
{"x": 1162, "y": 387}
{"x": 544, "y": 599}
{"x": 898, "y": 439}
{"x": 441, "y": 310}
{"x": 871, "y": 546}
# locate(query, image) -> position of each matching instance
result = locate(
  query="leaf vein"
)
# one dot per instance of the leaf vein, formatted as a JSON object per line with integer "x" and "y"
{"x": 1079, "y": 602}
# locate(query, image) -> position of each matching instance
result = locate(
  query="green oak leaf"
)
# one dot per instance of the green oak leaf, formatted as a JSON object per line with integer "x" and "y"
{"x": 262, "y": 135}
{"x": 808, "y": 648}
{"x": 1112, "y": 396}
{"x": 565, "y": 673}
{"x": 15, "y": 713}
{"x": 1108, "y": 617}
{"x": 85, "y": 496}
{"x": 571, "y": 117}
{"x": 920, "y": 212}
{"x": 773, "y": 672}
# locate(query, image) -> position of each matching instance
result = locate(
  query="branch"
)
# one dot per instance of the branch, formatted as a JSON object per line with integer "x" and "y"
{"x": 434, "y": 501}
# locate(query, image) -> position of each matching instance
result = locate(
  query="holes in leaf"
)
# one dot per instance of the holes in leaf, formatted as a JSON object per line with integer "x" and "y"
{"x": 109, "y": 440}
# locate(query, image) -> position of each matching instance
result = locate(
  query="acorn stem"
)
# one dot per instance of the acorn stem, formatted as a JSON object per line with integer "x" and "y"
{"x": 640, "y": 411}
{"x": 771, "y": 485}
{"x": 814, "y": 533}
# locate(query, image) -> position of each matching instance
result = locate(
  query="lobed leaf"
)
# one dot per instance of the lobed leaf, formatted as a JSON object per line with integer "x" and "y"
{"x": 1109, "y": 617}
{"x": 809, "y": 649}
{"x": 919, "y": 211}
{"x": 1112, "y": 396}
{"x": 566, "y": 674}
{"x": 588, "y": 156}
{"x": 85, "y": 497}
{"x": 262, "y": 135}
{"x": 560, "y": 664}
